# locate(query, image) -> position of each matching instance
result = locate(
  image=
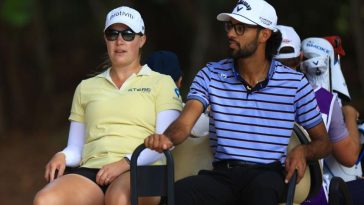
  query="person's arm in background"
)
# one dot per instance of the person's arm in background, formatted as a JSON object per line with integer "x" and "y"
{"x": 346, "y": 151}
{"x": 308, "y": 116}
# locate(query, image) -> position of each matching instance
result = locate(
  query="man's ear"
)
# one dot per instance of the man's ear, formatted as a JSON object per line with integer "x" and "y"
{"x": 265, "y": 35}
{"x": 301, "y": 56}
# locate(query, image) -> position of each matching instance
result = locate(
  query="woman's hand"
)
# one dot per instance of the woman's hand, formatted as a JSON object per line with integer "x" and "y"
{"x": 110, "y": 172}
{"x": 55, "y": 167}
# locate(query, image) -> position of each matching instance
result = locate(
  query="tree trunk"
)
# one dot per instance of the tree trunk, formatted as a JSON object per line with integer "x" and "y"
{"x": 44, "y": 99}
{"x": 98, "y": 10}
{"x": 202, "y": 40}
{"x": 15, "y": 101}
{"x": 2, "y": 98}
{"x": 356, "y": 7}
{"x": 2, "y": 116}
{"x": 197, "y": 11}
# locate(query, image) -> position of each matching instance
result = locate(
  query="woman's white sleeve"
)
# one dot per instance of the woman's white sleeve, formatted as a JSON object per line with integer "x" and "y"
{"x": 76, "y": 140}
{"x": 164, "y": 119}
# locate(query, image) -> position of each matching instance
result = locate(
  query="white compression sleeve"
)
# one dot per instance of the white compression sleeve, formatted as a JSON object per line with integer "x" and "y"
{"x": 164, "y": 119}
{"x": 76, "y": 140}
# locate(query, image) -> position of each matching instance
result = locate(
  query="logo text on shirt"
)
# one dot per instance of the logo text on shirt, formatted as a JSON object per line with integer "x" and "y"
{"x": 144, "y": 90}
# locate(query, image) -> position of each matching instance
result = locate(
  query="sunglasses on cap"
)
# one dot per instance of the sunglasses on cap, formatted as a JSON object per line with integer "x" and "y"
{"x": 127, "y": 34}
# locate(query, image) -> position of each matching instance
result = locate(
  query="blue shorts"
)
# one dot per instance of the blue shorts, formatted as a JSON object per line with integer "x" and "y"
{"x": 89, "y": 173}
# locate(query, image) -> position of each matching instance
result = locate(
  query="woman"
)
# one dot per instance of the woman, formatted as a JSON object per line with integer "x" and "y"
{"x": 111, "y": 115}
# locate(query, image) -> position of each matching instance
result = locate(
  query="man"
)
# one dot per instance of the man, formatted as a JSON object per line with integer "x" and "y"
{"x": 343, "y": 135}
{"x": 167, "y": 63}
{"x": 254, "y": 103}
{"x": 289, "y": 52}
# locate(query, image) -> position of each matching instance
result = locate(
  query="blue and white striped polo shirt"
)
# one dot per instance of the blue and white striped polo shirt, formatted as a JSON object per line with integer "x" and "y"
{"x": 254, "y": 126}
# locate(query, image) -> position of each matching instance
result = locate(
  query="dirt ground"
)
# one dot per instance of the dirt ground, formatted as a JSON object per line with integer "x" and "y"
{"x": 23, "y": 159}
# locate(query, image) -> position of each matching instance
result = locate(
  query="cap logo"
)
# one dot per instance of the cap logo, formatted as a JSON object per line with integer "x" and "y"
{"x": 265, "y": 21}
{"x": 244, "y": 3}
{"x": 122, "y": 13}
{"x": 286, "y": 41}
{"x": 223, "y": 75}
{"x": 312, "y": 45}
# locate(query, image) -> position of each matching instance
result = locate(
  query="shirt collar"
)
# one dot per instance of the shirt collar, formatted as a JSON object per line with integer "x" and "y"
{"x": 261, "y": 84}
{"x": 269, "y": 74}
{"x": 145, "y": 70}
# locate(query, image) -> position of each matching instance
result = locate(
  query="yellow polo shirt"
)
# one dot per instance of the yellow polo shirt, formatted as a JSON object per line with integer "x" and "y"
{"x": 118, "y": 120}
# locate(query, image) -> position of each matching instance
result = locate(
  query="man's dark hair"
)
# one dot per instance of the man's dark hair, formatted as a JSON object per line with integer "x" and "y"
{"x": 273, "y": 44}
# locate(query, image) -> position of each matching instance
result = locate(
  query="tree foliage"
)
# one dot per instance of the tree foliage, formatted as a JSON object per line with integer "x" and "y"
{"x": 17, "y": 12}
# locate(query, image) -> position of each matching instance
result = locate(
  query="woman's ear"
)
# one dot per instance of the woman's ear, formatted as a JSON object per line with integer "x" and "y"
{"x": 105, "y": 38}
{"x": 143, "y": 39}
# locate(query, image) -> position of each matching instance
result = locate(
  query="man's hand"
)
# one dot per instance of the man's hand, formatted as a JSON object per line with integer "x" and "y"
{"x": 296, "y": 160}
{"x": 318, "y": 148}
{"x": 158, "y": 142}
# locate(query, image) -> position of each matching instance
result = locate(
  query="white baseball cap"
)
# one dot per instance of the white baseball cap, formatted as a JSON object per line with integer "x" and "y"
{"x": 127, "y": 16}
{"x": 315, "y": 46}
{"x": 318, "y": 47}
{"x": 289, "y": 39}
{"x": 253, "y": 12}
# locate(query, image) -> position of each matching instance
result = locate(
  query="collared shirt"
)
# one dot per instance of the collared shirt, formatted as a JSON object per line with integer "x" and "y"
{"x": 254, "y": 124}
{"x": 118, "y": 120}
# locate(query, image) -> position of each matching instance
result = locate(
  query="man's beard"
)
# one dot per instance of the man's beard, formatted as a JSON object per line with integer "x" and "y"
{"x": 246, "y": 51}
